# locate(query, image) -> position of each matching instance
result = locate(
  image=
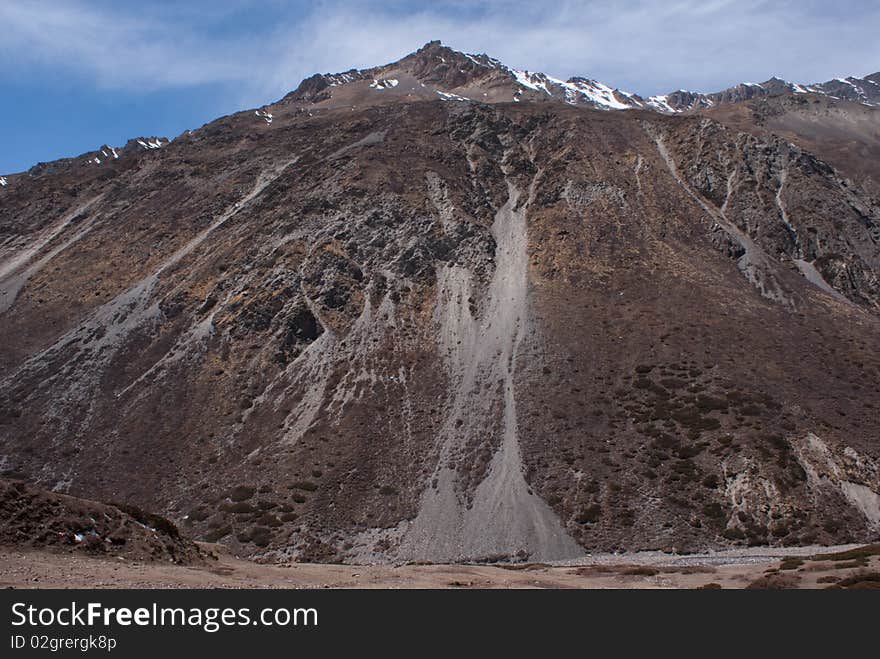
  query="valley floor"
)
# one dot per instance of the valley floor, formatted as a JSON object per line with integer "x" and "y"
{"x": 804, "y": 567}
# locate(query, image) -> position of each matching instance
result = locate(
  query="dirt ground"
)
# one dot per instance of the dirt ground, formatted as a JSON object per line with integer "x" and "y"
{"x": 849, "y": 566}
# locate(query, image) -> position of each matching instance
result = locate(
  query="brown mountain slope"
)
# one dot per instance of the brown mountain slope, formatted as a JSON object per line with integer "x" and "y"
{"x": 845, "y": 135}
{"x": 443, "y": 330}
{"x": 33, "y": 518}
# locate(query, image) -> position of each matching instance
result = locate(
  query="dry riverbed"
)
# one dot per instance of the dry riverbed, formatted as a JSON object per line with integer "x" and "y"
{"x": 806, "y": 567}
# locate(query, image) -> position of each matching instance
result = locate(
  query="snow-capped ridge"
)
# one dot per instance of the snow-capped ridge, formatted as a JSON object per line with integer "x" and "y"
{"x": 436, "y": 70}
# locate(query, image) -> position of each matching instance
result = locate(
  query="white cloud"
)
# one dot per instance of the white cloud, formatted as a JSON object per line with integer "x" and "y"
{"x": 646, "y": 47}
{"x": 109, "y": 48}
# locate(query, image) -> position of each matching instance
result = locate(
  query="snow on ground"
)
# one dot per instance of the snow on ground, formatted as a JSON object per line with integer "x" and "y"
{"x": 107, "y": 152}
{"x": 151, "y": 144}
{"x": 267, "y": 116}
{"x": 451, "y": 97}
{"x": 385, "y": 83}
{"x": 576, "y": 90}
{"x": 3, "y": 181}
{"x": 858, "y": 89}
{"x": 484, "y": 61}
{"x": 531, "y": 80}
{"x": 661, "y": 103}
{"x": 595, "y": 92}
{"x": 343, "y": 78}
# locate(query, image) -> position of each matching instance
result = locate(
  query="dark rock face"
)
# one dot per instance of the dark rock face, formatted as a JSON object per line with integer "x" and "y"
{"x": 312, "y": 89}
{"x": 437, "y": 64}
{"x": 449, "y": 330}
{"x": 684, "y": 100}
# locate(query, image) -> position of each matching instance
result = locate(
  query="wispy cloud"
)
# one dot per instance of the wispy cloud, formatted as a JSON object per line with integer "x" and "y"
{"x": 112, "y": 48}
{"x": 262, "y": 49}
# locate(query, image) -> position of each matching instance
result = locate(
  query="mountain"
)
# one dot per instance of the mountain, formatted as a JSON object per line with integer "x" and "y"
{"x": 437, "y": 71}
{"x": 843, "y": 134}
{"x": 420, "y": 312}
{"x": 859, "y": 90}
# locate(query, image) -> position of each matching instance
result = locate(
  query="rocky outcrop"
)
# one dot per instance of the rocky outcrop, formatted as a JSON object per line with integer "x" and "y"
{"x": 32, "y": 518}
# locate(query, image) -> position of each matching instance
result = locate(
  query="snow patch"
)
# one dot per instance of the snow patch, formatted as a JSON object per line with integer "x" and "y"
{"x": 151, "y": 144}
{"x": 384, "y": 83}
{"x": 451, "y": 97}
{"x": 661, "y": 103}
{"x": 343, "y": 78}
{"x": 593, "y": 91}
{"x": 531, "y": 80}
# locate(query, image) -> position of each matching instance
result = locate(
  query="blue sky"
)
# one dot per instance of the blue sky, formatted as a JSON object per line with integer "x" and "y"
{"x": 75, "y": 74}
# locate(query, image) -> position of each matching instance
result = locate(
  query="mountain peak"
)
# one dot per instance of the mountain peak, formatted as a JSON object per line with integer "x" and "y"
{"x": 438, "y": 72}
{"x": 431, "y": 46}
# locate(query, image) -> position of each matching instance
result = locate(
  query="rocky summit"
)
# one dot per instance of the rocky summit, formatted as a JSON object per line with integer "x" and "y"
{"x": 444, "y": 310}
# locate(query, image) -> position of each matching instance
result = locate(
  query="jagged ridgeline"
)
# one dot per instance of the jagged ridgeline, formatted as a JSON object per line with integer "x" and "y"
{"x": 445, "y": 310}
